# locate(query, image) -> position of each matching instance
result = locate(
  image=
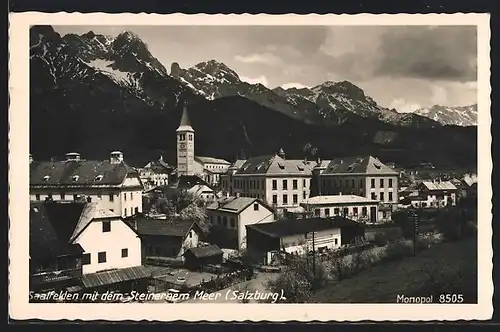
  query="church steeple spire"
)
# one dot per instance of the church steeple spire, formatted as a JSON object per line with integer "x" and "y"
{"x": 185, "y": 124}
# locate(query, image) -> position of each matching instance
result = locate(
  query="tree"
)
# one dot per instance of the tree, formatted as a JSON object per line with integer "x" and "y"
{"x": 195, "y": 213}
{"x": 402, "y": 219}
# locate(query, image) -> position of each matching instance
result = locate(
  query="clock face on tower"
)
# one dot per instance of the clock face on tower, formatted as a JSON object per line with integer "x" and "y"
{"x": 182, "y": 146}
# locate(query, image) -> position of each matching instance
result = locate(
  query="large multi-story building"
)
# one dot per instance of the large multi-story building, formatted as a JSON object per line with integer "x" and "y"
{"x": 362, "y": 176}
{"x": 282, "y": 183}
{"x": 112, "y": 183}
{"x": 156, "y": 173}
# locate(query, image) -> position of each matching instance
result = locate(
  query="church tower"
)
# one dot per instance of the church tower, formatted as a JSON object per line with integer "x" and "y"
{"x": 185, "y": 146}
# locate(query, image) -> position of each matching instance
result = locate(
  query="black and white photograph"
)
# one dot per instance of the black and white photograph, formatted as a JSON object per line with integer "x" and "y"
{"x": 192, "y": 159}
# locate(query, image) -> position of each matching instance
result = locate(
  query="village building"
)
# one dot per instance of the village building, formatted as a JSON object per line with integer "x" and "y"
{"x": 281, "y": 183}
{"x": 362, "y": 176}
{"x": 111, "y": 249}
{"x": 357, "y": 208}
{"x": 156, "y": 174}
{"x": 230, "y": 216}
{"x": 207, "y": 168}
{"x": 199, "y": 257}
{"x": 112, "y": 183}
{"x": 267, "y": 242}
{"x": 196, "y": 186}
{"x": 165, "y": 240}
{"x": 55, "y": 263}
{"x": 431, "y": 194}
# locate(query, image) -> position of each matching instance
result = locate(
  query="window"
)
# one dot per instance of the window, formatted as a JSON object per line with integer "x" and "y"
{"x": 219, "y": 220}
{"x": 75, "y": 197}
{"x": 361, "y": 183}
{"x": 355, "y": 211}
{"x": 263, "y": 184}
{"x": 86, "y": 259}
{"x": 190, "y": 137}
{"x": 390, "y": 183}
{"x": 317, "y": 212}
{"x": 124, "y": 252}
{"x": 327, "y": 212}
{"x": 390, "y": 197}
{"x": 382, "y": 197}
{"x": 101, "y": 257}
{"x": 125, "y": 212}
{"x": 112, "y": 210}
{"x": 285, "y": 199}
{"x": 336, "y": 241}
{"x": 295, "y": 184}
{"x": 285, "y": 185}
{"x": 125, "y": 196}
{"x": 49, "y": 196}
{"x": 381, "y": 183}
{"x": 63, "y": 196}
{"x": 373, "y": 183}
{"x": 37, "y": 197}
{"x": 384, "y": 214}
{"x": 275, "y": 185}
{"x": 106, "y": 226}
{"x": 131, "y": 196}
{"x": 353, "y": 184}
{"x": 275, "y": 199}
{"x": 364, "y": 211}
{"x": 224, "y": 221}
{"x": 345, "y": 211}
{"x": 304, "y": 195}
{"x": 336, "y": 211}
{"x": 256, "y": 207}
{"x": 233, "y": 223}
{"x": 374, "y": 196}
{"x": 304, "y": 183}
{"x": 295, "y": 199}
{"x": 111, "y": 197}
{"x": 136, "y": 210}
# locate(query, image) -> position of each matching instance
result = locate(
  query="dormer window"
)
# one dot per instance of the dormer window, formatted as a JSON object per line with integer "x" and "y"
{"x": 281, "y": 166}
{"x": 300, "y": 168}
{"x": 377, "y": 166}
{"x": 98, "y": 178}
{"x": 75, "y": 178}
{"x": 46, "y": 178}
{"x": 350, "y": 168}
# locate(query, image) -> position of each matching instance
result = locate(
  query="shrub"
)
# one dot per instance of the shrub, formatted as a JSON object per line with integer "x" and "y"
{"x": 398, "y": 250}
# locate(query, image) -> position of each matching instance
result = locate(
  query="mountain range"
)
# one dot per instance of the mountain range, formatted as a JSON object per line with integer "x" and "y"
{"x": 93, "y": 93}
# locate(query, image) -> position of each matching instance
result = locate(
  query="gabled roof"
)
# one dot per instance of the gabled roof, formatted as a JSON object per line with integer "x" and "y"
{"x": 159, "y": 165}
{"x": 238, "y": 163}
{"x": 211, "y": 160}
{"x": 189, "y": 181}
{"x": 443, "y": 185}
{"x": 275, "y": 165}
{"x": 164, "y": 227}
{"x": 359, "y": 165}
{"x": 235, "y": 204}
{"x": 206, "y": 251}
{"x": 91, "y": 211}
{"x": 278, "y": 229}
{"x": 80, "y": 173}
{"x": 51, "y": 229}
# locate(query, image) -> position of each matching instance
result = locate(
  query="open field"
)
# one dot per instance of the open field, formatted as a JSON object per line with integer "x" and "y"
{"x": 453, "y": 266}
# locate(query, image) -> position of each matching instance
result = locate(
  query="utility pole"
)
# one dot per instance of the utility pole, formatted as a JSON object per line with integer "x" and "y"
{"x": 414, "y": 216}
{"x": 314, "y": 257}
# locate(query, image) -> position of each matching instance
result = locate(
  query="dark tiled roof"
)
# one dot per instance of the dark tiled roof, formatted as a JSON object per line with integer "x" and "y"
{"x": 235, "y": 204}
{"x": 206, "y": 251}
{"x": 211, "y": 160}
{"x": 159, "y": 166}
{"x": 165, "y": 227}
{"x": 51, "y": 227}
{"x": 88, "y": 172}
{"x": 358, "y": 165}
{"x": 274, "y": 164}
{"x": 189, "y": 181}
{"x": 301, "y": 226}
{"x": 115, "y": 276}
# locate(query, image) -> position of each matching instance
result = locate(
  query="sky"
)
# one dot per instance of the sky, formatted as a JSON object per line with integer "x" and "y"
{"x": 401, "y": 67}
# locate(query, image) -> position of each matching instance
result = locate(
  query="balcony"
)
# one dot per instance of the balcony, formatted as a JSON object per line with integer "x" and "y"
{"x": 55, "y": 276}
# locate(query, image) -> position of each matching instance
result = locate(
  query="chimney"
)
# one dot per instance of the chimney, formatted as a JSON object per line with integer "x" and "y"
{"x": 115, "y": 157}
{"x": 341, "y": 161}
{"x": 89, "y": 199}
{"x": 281, "y": 153}
{"x": 340, "y": 193}
{"x": 237, "y": 194}
{"x": 72, "y": 156}
{"x": 31, "y": 158}
{"x": 318, "y": 161}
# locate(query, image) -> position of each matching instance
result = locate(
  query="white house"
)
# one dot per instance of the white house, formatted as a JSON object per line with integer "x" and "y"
{"x": 357, "y": 208}
{"x": 156, "y": 173}
{"x": 231, "y": 215}
{"x": 268, "y": 241}
{"x": 433, "y": 194}
{"x": 114, "y": 184}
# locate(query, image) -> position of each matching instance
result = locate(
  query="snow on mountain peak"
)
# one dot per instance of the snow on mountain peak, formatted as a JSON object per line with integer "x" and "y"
{"x": 456, "y": 116}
